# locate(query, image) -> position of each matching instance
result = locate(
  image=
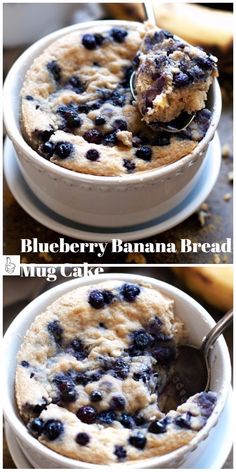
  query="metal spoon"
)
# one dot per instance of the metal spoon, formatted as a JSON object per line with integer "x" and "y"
{"x": 181, "y": 122}
{"x": 191, "y": 370}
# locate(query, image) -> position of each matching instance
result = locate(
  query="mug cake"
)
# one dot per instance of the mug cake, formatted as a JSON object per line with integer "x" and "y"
{"x": 78, "y": 111}
{"x": 93, "y": 373}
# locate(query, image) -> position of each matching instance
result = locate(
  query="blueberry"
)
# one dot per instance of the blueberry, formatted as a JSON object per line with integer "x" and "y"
{"x": 120, "y": 124}
{"x": 184, "y": 421}
{"x": 35, "y": 427}
{"x": 47, "y": 149}
{"x": 73, "y": 120}
{"x": 52, "y": 429}
{"x": 96, "y": 396}
{"x": 206, "y": 401}
{"x": 110, "y": 139}
{"x": 129, "y": 165}
{"x": 196, "y": 73}
{"x": 76, "y": 349}
{"x": 107, "y": 416}
{"x": 38, "y": 408}
{"x": 205, "y": 62}
{"x": 70, "y": 115}
{"x": 157, "y": 427}
{"x": 95, "y": 105}
{"x": 108, "y": 296}
{"x": 55, "y": 330}
{"x": 64, "y": 109}
{"x": 68, "y": 395}
{"x": 120, "y": 368}
{"x": 142, "y": 375}
{"x": 167, "y": 34}
{"x": 139, "y": 420}
{"x": 92, "y": 155}
{"x": 119, "y": 34}
{"x": 117, "y": 98}
{"x": 154, "y": 326}
{"x": 80, "y": 378}
{"x": 93, "y": 136}
{"x": 117, "y": 403}
{"x": 130, "y": 292}
{"x": 160, "y": 60}
{"x": 181, "y": 79}
{"x": 164, "y": 355}
{"x": 82, "y": 439}
{"x": 163, "y": 139}
{"x": 76, "y": 344}
{"x": 55, "y": 70}
{"x": 29, "y": 98}
{"x": 127, "y": 421}
{"x": 87, "y": 414}
{"x": 162, "y": 338}
{"x": 142, "y": 339}
{"x": 25, "y": 364}
{"x": 44, "y": 135}
{"x": 144, "y": 153}
{"x": 89, "y": 41}
{"x": 160, "y": 36}
{"x": 138, "y": 440}
{"x": 134, "y": 351}
{"x": 66, "y": 387}
{"x": 102, "y": 325}
{"x": 95, "y": 376}
{"x": 74, "y": 83}
{"x": 120, "y": 452}
{"x": 99, "y": 120}
{"x": 63, "y": 149}
{"x": 96, "y": 299}
{"x": 83, "y": 108}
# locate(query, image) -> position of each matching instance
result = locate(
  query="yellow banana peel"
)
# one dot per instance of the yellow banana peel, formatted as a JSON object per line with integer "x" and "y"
{"x": 213, "y": 284}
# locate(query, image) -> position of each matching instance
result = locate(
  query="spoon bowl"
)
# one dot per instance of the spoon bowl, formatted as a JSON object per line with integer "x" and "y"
{"x": 191, "y": 371}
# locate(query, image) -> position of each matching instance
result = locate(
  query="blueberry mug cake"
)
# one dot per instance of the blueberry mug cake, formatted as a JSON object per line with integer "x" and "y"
{"x": 78, "y": 112}
{"x": 93, "y": 372}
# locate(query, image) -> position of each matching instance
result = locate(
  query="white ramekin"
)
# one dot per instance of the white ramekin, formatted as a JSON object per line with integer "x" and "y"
{"x": 197, "y": 321}
{"x": 95, "y": 200}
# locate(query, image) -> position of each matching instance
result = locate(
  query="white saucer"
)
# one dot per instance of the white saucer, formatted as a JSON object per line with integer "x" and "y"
{"x": 213, "y": 457}
{"x": 206, "y": 180}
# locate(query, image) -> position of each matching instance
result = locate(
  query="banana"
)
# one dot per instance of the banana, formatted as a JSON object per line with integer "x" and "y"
{"x": 213, "y": 284}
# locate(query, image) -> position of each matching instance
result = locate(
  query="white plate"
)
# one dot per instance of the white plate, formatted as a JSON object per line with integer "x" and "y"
{"x": 206, "y": 180}
{"x": 213, "y": 457}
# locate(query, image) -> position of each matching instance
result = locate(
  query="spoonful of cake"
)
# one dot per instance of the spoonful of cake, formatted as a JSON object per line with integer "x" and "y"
{"x": 171, "y": 80}
{"x": 191, "y": 372}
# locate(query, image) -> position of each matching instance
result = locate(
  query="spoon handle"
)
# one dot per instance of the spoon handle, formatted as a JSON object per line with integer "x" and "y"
{"x": 149, "y": 11}
{"x": 215, "y": 332}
